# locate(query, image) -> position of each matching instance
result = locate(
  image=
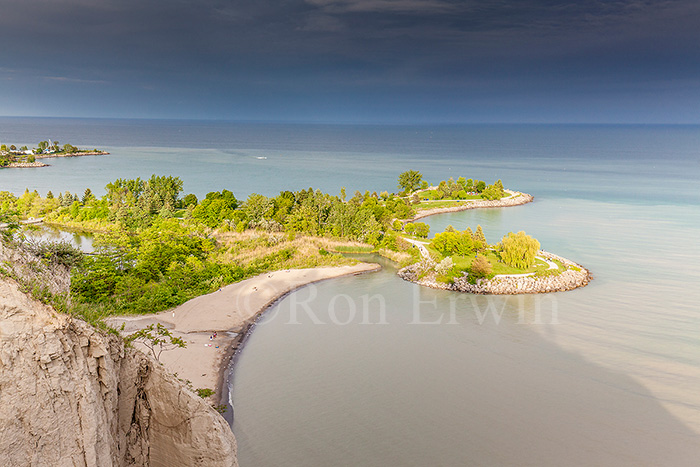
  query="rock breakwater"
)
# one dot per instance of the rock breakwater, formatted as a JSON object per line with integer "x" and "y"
{"x": 573, "y": 277}
{"x": 516, "y": 198}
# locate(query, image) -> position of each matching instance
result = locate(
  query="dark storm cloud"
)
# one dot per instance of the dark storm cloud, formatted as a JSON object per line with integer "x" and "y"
{"x": 247, "y": 53}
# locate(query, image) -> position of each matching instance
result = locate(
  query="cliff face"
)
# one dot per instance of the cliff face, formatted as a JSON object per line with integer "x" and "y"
{"x": 72, "y": 396}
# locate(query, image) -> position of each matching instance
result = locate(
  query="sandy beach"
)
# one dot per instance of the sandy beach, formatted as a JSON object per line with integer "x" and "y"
{"x": 228, "y": 313}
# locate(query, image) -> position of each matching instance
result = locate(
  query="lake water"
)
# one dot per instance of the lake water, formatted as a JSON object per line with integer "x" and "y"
{"x": 604, "y": 375}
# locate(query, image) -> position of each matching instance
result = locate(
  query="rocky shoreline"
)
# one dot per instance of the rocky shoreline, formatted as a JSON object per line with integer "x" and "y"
{"x": 517, "y": 198}
{"x": 72, "y": 154}
{"x": 573, "y": 277}
{"x": 29, "y": 165}
{"x": 25, "y": 165}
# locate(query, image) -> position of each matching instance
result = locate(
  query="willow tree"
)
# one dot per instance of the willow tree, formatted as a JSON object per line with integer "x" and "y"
{"x": 519, "y": 250}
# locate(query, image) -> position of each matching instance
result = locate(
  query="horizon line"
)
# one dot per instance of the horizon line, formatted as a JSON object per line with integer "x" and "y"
{"x": 355, "y": 122}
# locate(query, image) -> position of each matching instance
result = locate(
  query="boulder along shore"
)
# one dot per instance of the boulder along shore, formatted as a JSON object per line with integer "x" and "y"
{"x": 516, "y": 198}
{"x": 573, "y": 277}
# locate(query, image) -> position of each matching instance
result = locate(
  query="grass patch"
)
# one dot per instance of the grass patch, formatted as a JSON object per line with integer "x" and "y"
{"x": 430, "y": 195}
{"x": 353, "y": 249}
{"x": 464, "y": 263}
{"x": 447, "y": 203}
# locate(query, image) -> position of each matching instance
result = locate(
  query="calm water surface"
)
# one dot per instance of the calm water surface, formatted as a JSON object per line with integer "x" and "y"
{"x": 604, "y": 375}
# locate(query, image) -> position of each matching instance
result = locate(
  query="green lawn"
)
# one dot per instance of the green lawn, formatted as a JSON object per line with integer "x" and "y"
{"x": 445, "y": 203}
{"x": 465, "y": 262}
{"x": 430, "y": 194}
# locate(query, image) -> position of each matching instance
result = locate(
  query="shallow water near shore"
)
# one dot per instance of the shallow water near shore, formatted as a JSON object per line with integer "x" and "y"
{"x": 607, "y": 374}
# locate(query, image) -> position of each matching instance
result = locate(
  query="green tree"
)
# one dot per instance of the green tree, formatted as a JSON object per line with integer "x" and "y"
{"x": 410, "y": 228}
{"x": 446, "y": 243}
{"x": 519, "y": 250}
{"x": 258, "y": 207}
{"x": 494, "y": 191}
{"x": 88, "y": 196}
{"x": 480, "y": 237}
{"x": 156, "y": 338}
{"x": 189, "y": 200}
{"x": 167, "y": 243}
{"x": 215, "y": 208}
{"x": 31, "y": 159}
{"x": 410, "y": 180}
{"x": 422, "y": 229}
{"x": 9, "y": 224}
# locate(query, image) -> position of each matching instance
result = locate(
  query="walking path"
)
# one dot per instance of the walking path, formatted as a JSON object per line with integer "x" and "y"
{"x": 426, "y": 254}
{"x": 421, "y": 246}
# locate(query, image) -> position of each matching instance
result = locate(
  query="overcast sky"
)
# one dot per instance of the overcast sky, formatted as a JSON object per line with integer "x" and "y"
{"x": 634, "y": 61}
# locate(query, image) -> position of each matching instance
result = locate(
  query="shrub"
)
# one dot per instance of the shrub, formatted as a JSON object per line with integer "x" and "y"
{"x": 481, "y": 267}
{"x": 445, "y": 266}
{"x": 204, "y": 392}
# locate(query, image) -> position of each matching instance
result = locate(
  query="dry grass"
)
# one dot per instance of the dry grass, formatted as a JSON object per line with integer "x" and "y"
{"x": 402, "y": 258}
{"x": 242, "y": 248}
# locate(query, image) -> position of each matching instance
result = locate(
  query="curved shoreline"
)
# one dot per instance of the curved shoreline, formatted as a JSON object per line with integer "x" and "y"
{"x": 72, "y": 154}
{"x": 516, "y": 198}
{"x": 573, "y": 277}
{"x": 231, "y": 313}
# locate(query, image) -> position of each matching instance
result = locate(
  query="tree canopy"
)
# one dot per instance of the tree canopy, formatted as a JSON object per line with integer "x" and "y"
{"x": 519, "y": 250}
{"x": 410, "y": 180}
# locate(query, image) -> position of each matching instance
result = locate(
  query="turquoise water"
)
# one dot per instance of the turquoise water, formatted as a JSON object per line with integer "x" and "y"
{"x": 604, "y": 375}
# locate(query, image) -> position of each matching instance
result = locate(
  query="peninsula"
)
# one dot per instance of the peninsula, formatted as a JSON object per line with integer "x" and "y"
{"x": 22, "y": 157}
{"x": 193, "y": 276}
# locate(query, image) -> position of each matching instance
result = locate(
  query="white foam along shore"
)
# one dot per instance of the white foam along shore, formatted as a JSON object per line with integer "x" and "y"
{"x": 229, "y": 313}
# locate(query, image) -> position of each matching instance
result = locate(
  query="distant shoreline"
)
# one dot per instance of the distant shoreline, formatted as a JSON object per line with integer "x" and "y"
{"x": 71, "y": 154}
{"x": 29, "y": 165}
